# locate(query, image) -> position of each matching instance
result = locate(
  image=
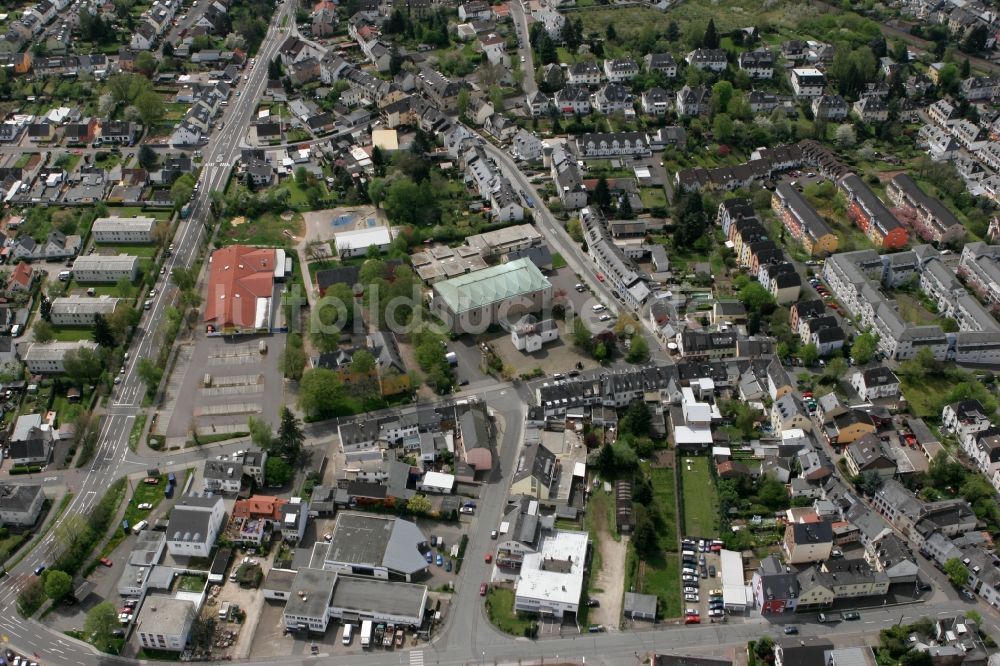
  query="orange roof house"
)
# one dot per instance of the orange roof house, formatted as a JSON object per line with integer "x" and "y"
{"x": 261, "y": 507}
{"x": 241, "y": 288}
{"x": 20, "y": 279}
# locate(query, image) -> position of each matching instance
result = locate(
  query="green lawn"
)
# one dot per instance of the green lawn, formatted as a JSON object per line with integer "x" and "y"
{"x": 912, "y": 311}
{"x": 142, "y": 494}
{"x": 500, "y": 607}
{"x": 23, "y": 160}
{"x": 701, "y": 503}
{"x": 147, "y": 251}
{"x": 137, "y": 427}
{"x": 71, "y": 333}
{"x": 267, "y": 229}
{"x": 191, "y": 583}
{"x": 653, "y": 197}
{"x": 664, "y": 493}
{"x": 65, "y": 410}
{"x": 926, "y": 393}
{"x": 558, "y": 261}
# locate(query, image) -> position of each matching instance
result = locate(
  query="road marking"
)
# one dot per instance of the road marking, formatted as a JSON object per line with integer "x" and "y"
{"x": 50, "y": 478}
{"x": 417, "y": 658}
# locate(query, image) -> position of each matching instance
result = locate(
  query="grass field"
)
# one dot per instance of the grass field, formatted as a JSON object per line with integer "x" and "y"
{"x": 500, "y": 607}
{"x": 143, "y": 494}
{"x": 925, "y": 394}
{"x": 912, "y": 311}
{"x": 191, "y": 583}
{"x": 148, "y": 251}
{"x": 660, "y": 574}
{"x": 653, "y": 197}
{"x": 701, "y": 503}
{"x": 267, "y": 229}
{"x": 137, "y": 427}
{"x": 71, "y": 333}
{"x": 558, "y": 261}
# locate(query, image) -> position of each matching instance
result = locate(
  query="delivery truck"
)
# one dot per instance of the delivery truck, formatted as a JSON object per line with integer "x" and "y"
{"x": 366, "y": 633}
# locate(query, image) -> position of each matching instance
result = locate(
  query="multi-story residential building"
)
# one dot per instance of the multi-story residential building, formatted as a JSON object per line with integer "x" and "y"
{"x": 807, "y": 542}
{"x": 99, "y": 268}
{"x": 567, "y": 178}
{"x": 48, "y": 358}
{"x": 713, "y": 60}
{"x": 194, "y": 524}
{"x": 222, "y": 476}
{"x": 775, "y": 587}
{"x": 123, "y": 229}
{"x": 933, "y": 222}
{"x": 966, "y": 419}
{"x": 164, "y": 622}
{"x": 830, "y": 107}
{"x": 619, "y": 70}
{"x": 875, "y": 383}
{"x": 584, "y": 73}
{"x": 663, "y": 63}
{"x": 803, "y": 222}
{"x": 20, "y": 504}
{"x": 868, "y": 454}
{"x": 871, "y": 109}
{"x": 573, "y": 99}
{"x": 81, "y": 310}
{"x": 613, "y": 144}
{"x": 980, "y": 267}
{"x": 871, "y": 215}
{"x": 611, "y": 98}
{"x": 656, "y": 101}
{"x": 759, "y": 64}
{"x": 808, "y": 82}
{"x": 692, "y": 101}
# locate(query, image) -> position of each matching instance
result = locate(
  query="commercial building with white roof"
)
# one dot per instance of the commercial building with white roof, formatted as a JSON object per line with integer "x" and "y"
{"x": 123, "y": 229}
{"x": 551, "y": 580}
{"x": 99, "y": 268}
{"x": 736, "y": 594}
{"x": 81, "y": 310}
{"x": 356, "y": 243}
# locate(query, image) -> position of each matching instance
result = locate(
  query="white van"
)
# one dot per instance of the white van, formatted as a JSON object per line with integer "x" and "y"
{"x": 597, "y": 308}
{"x": 348, "y": 632}
{"x": 140, "y": 526}
{"x": 15, "y": 330}
{"x": 64, "y": 276}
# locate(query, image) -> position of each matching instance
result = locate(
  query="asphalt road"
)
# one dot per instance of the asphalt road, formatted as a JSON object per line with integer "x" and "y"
{"x": 519, "y": 13}
{"x": 559, "y": 241}
{"x": 112, "y": 458}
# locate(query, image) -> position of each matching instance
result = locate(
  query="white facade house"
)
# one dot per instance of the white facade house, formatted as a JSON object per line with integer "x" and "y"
{"x": 551, "y": 580}
{"x": 194, "y": 525}
{"x": 808, "y": 82}
{"x": 97, "y": 268}
{"x": 48, "y": 358}
{"x": 356, "y": 243}
{"x": 123, "y": 229}
{"x": 164, "y": 623}
{"x": 222, "y": 476}
{"x": 20, "y": 504}
{"x": 81, "y": 310}
{"x": 874, "y": 383}
{"x": 529, "y": 335}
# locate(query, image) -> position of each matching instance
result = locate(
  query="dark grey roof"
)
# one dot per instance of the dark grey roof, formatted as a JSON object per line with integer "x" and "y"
{"x": 18, "y": 498}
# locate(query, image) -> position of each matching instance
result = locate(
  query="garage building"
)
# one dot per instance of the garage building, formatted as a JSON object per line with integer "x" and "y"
{"x": 736, "y": 594}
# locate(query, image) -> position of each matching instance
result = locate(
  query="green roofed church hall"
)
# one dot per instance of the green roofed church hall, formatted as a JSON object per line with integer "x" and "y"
{"x": 473, "y": 302}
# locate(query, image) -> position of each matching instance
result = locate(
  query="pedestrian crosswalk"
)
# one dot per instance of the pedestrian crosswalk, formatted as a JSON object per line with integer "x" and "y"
{"x": 417, "y": 658}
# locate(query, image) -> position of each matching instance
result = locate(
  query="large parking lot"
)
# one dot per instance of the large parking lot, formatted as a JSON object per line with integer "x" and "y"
{"x": 242, "y": 382}
{"x": 701, "y": 575}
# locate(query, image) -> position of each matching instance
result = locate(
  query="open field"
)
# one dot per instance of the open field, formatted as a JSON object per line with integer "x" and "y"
{"x": 267, "y": 229}
{"x": 500, "y": 607}
{"x": 701, "y": 503}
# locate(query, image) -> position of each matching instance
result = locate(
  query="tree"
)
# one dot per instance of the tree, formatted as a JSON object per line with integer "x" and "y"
{"x": 772, "y": 493}
{"x": 966, "y": 69}
{"x": 145, "y": 62}
{"x": 864, "y": 348}
{"x": 869, "y": 482}
{"x": 722, "y": 94}
{"x": 362, "y": 362}
{"x": 690, "y": 221}
{"x": 462, "y": 103}
{"x": 673, "y": 32}
{"x": 43, "y": 331}
{"x": 957, "y": 572}
{"x": 260, "y": 433}
{"x": 711, "y": 38}
{"x": 600, "y": 352}
{"x": 845, "y": 136}
{"x": 147, "y": 157}
{"x": 611, "y": 33}
{"x": 182, "y": 189}
{"x": 290, "y": 436}
{"x": 602, "y": 194}
{"x": 581, "y": 334}
{"x": 149, "y": 373}
{"x": 184, "y": 278}
{"x": 974, "y": 40}
{"x": 644, "y": 533}
{"x": 723, "y": 128}
{"x": 45, "y": 309}
{"x": 835, "y": 369}
{"x": 277, "y": 471}
{"x": 636, "y": 420}
{"x": 606, "y": 459}
{"x": 57, "y": 584}
{"x": 419, "y": 504}
{"x": 756, "y": 298}
{"x": 83, "y": 365}
{"x": 101, "y": 332}
{"x": 168, "y": 50}
{"x": 625, "y": 211}
{"x": 809, "y": 355}
{"x": 100, "y": 625}
{"x": 320, "y": 393}
{"x": 293, "y": 362}
{"x": 235, "y": 41}
{"x": 638, "y": 350}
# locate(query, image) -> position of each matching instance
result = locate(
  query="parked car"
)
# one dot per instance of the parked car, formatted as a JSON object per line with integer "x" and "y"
{"x": 852, "y": 615}
{"x": 691, "y": 597}
{"x": 488, "y": 558}
{"x": 593, "y": 603}
{"x": 439, "y": 560}
{"x": 691, "y": 619}
{"x": 791, "y": 630}
{"x": 483, "y": 589}
{"x": 106, "y": 561}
